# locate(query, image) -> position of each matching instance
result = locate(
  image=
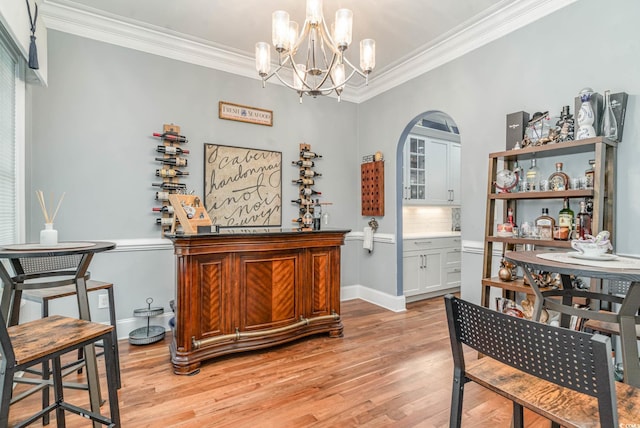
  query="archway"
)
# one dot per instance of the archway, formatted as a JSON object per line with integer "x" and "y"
{"x": 433, "y": 124}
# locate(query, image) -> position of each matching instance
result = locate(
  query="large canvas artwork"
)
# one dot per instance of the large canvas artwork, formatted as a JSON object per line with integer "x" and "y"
{"x": 242, "y": 186}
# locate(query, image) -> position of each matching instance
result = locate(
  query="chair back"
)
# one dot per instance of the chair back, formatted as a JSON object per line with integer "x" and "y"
{"x": 569, "y": 358}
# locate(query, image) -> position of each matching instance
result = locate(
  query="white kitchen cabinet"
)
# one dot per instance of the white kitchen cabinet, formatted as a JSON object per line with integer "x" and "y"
{"x": 431, "y": 266}
{"x": 431, "y": 171}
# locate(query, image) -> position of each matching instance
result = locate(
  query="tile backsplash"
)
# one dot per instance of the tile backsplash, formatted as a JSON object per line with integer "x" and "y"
{"x": 417, "y": 219}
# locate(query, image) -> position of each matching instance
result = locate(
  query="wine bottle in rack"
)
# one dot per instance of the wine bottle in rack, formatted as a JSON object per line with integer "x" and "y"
{"x": 165, "y": 221}
{"x": 304, "y": 181}
{"x": 170, "y": 173}
{"x": 306, "y": 191}
{"x": 309, "y": 173}
{"x": 309, "y": 155}
{"x": 302, "y": 201}
{"x": 164, "y": 209}
{"x": 173, "y": 161}
{"x": 170, "y": 186}
{"x": 304, "y": 163}
{"x": 171, "y": 136}
{"x": 162, "y": 196}
{"x": 171, "y": 150}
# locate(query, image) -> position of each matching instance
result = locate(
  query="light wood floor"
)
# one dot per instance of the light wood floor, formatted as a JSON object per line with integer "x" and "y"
{"x": 389, "y": 370}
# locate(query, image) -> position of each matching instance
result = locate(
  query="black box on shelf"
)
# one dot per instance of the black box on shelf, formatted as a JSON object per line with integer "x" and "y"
{"x": 619, "y": 105}
{"x": 597, "y": 105}
{"x": 516, "y": 126}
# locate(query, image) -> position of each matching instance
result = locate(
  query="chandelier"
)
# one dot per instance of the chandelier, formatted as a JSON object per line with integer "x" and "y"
{"x": 324, "y": 68}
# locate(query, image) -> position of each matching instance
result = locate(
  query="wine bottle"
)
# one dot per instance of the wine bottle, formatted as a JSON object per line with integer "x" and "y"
{"x": 171, "y": 136}
{"x": 170, "y": 186}
{"x": 165, "y": 209}
{"x": 309, "y": 155}
{"x": 583, "y": 222}
{"x": 309, "y": 173}
{"x": 317, "y": 215}
{"x": 169, "y": 173}
{"x": 305, "y": 163}
{"x": 173, "y": 161}
{"x": 171, "y": 150}
{"x": 165, "y": 221}
{"x": 304, "y": 181}
{"x": 302, "y": 201}
{"x": 162, "y": 196}
{"x": 306, "y": 191}
{"x": 565, "y": 219}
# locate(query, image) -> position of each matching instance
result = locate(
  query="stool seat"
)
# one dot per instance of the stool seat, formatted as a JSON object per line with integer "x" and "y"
{"x": 39, "y": 294}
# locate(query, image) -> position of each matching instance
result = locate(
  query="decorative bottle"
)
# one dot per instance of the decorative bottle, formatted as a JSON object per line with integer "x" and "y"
{"x": 583, "y": 222}
{"x": 545, "y": 224}
{"x": 317, "y": 215}
{"x": 532, "y": 177}
{"x": 565, "y": 219}
{"x": 589, "y": 174}
{"x": 48, "y": 235}
{"x": 558, "y": 180}
{"x": 609, "y": 123}
{"x": 586, "y": 116}
{"x": 518, "y": 171}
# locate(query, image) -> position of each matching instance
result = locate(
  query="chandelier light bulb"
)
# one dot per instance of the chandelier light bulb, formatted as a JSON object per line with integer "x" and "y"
{"x": 299, "y": 77}
{"x": 293, "y": 36}
{"x": 367, "y": 55}
{"x": 280, "y": 29}
{"x": 263, "y": 58}
{"x": 338, "y": 76}
{"x": 342, "y": 28}
{"x": 314, "y": 11}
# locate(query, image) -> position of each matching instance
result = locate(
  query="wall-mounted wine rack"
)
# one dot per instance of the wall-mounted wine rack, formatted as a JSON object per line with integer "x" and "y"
{"x": 306, "y": 194}
{"x": 372, "y": 186}
{"x": 173, "y": 163}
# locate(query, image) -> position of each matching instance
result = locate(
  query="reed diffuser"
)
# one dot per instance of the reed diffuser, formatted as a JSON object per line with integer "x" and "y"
{"x": 48, "y": 236}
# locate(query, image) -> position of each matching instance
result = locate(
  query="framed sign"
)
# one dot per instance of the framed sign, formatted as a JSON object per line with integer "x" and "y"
{"x": 242, "y": 113}
{"x": 242, "y": 186}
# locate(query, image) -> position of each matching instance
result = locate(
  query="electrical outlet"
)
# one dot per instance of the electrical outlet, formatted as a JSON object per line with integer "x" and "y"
{"x": 103, "y": 301}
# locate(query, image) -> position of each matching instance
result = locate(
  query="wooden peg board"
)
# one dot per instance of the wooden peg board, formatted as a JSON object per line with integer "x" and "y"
{"x": 372, "y": 183}
{"x": 182, "y": 204}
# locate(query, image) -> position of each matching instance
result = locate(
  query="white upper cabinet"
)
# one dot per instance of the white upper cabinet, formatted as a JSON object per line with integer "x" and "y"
{"x": 431, "y": 171}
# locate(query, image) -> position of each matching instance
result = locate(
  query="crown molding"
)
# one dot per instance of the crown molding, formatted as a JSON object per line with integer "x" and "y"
{"x": 463, "y": 39}
{"x": 507, "y": 16}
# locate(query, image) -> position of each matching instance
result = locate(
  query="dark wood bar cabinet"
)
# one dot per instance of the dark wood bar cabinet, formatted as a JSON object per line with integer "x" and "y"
{"x": 252, "y": 289}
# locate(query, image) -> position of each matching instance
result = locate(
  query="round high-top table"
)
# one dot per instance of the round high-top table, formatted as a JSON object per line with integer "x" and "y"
{"x": 64, "y": 263}
{"x": 616, "y": 269}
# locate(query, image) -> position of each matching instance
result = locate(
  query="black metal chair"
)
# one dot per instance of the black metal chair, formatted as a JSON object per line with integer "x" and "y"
{"x": 571, "y": 359}
{"x": 47, "y": 339}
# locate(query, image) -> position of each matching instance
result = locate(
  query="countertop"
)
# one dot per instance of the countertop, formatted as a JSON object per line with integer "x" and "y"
{"x": 420, "y": 235}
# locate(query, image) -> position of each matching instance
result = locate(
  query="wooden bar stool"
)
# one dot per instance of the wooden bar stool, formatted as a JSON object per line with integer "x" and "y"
{"x": 43, "y": 296}
{"x": 47, "y": 339}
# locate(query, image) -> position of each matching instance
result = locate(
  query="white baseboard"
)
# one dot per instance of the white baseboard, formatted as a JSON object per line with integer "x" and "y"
{"x": 387, "y": 301}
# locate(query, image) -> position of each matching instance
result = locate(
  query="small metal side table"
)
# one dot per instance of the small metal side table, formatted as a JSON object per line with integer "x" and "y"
{"x": 625, "y": 269}
{"x": 40, "y": 266}
{"x": 150, "y": 333}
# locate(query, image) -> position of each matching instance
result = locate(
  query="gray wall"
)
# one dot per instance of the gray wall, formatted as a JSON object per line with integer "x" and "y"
{"x": 90, "y": 136}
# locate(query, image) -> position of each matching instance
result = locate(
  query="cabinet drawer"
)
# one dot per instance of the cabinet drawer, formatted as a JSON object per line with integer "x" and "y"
{"x": 453, "y": 256}
{"x": 431, "y": 243}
